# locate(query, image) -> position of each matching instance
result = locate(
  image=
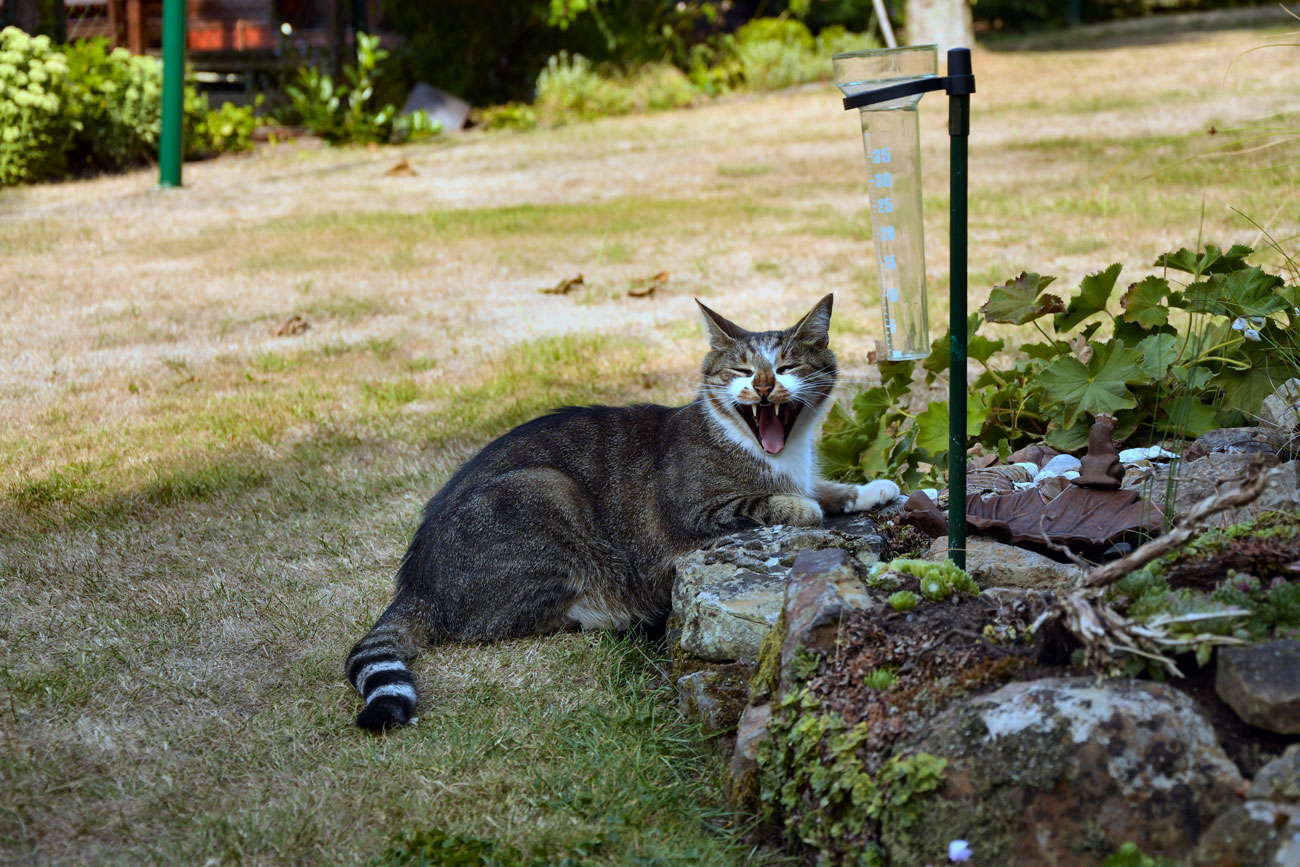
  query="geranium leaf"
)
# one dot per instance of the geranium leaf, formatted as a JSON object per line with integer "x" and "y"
{"x": 1021, "y": 300}
{"x": 1100, "y": 386}
{"x": 1246, "y": 292}
{"x": 1188, "y": 417}
{"x": 1069, "y": 439}
{"x": 1212, "y": 261}
{"x": 1094, "y": 292}
{"x": 1245, "y": 390}
{"x": 932, "y": 425}
{"x": 1142, "y": 305}
{"x": 1044, "y": 351}
{"x": 1158, "y": 351}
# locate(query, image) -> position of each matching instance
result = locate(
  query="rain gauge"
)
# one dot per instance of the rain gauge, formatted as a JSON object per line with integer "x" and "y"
{"x": 886, "y": 87}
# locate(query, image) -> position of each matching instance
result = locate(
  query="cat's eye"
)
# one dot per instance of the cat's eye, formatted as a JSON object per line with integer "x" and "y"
{"x": 788, "y": 368}
{"x": 741, "y": 371}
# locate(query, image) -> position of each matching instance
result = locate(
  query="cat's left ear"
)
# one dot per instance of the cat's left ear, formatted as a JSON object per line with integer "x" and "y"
{"x": 815, "y": 328}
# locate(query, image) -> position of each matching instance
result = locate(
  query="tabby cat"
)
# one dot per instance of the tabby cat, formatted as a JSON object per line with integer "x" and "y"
{"x": 574, "y": 519}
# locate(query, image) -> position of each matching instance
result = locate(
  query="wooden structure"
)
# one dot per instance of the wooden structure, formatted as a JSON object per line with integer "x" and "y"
{"x": 214, "y": 25}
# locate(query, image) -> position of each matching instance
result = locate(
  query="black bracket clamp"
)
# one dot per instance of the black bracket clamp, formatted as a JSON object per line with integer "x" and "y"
{"x": 959, "y": 81}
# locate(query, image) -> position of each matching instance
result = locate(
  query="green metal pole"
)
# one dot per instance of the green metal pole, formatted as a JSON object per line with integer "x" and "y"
{"x": 173, "y": 94}
{"x": 959, "y": 131}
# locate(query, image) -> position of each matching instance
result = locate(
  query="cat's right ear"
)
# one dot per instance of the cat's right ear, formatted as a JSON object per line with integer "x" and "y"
{"x": 722, "y": 332}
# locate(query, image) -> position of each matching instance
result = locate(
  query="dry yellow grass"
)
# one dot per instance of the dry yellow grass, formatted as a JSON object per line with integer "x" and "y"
{"x": 198, "y": 517}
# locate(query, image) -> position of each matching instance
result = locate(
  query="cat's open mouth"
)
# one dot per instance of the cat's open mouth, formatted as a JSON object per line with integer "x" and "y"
{"x": 771, "y": 423}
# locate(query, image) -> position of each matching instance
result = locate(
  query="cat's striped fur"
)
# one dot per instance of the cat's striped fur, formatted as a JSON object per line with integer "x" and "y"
{"x": 574, "y": 520}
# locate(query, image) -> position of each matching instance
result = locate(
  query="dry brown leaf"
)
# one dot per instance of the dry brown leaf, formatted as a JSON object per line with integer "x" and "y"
{"x": 648, "y": 287}
{"x": 563, "y": 287}
{"x": 402, "y": 168}
{"x": 292, "y": 326}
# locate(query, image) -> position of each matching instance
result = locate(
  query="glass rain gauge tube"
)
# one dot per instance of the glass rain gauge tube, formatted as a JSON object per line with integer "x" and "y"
{"x": 891, "y": 136}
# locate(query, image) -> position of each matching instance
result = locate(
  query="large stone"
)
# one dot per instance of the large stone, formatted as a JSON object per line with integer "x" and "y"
{"x": 1221, "y": 473}
{"x": 994, "y": 564}
{"x": 1063, "y": 771}
{"x": 823, "y": 586}
{"x": 742, "y": 779}
{"x": 728, "y": 595}
{"x": 1253, "y": 834}
{"x": 1261, "y": 683}
{"x": 1279, "y": 415}
{"x": 1279, "y": 780}
{"x": 714, "y": 697}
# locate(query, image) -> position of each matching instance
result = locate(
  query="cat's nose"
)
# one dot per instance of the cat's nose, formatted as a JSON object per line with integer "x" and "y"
{"x": 763, "y": 391}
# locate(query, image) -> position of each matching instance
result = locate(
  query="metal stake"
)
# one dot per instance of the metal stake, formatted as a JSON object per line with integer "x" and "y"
{"x": 173, "y": 94}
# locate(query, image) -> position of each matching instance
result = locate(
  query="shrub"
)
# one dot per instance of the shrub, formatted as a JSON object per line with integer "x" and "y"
{"x": 659, "y": 86}
{"x": 350, "y": 113}
{"x": 114, "y": 105}
{"x": 569, "y": 87}
{"x": 86, "y": 107}
{"x": 511, "y": 115}
{"x": 33, "y": 130}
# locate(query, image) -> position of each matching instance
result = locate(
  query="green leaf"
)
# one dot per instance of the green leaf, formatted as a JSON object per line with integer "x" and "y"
{"x": 932, "y": 425}
{"x": 1142, "y": 305}
{"x": 1212, "y": 261}
{"x": 1094, "y": 292}
{"x": 980, "y": 348}
{"x": 1021, "y": 300}
{"x": 1247, "y": 292}
{"x": 1245, "y": 390}
{"x": 1193, "y": 376}
{"x": 1069, "y": 439}
{"x": 1159, "y": 351}
{"x": 1044, "y": 351}
{"x": 1100, "y": 386}
{"x": 937, "y": 361}
{"x": 871, "y": 403}
{"x": 1188, "y": 417}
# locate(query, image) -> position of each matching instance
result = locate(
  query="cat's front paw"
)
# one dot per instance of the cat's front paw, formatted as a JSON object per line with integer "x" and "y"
{"x": 795, "y": 510}
{"x": 875, "y": 494}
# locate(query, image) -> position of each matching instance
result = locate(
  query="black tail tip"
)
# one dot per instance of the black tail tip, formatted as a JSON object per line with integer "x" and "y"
{"x": 383, "y": 714}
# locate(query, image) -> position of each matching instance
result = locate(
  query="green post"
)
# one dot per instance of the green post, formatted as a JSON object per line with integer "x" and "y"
{"x": 959, "y": 67}
{"x": 173, "y": 94}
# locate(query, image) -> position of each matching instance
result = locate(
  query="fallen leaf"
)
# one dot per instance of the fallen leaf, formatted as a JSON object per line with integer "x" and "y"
{"x": 402, "y": 168}
{"x": 292, "y": 326}
{"x": 563, "y": 287}
{"x": 648, "y": 287}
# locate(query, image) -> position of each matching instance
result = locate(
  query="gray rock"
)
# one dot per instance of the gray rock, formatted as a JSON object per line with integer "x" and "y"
{"x": 1279, "y": 416}
{"x": 1253, "y": 834}
{"x": 1279, "y": 780}
{"x": 715, "y": 697}
{"x": 439, "y": 105}
{"x": 1234, "y": 440}
{"x": 1220, "y": 473}
{"x": 742, "y": 779}
{"x": 728, "y": 595}
{"x": 823, "y": 586}
{"x": 994, "y": 564}
{"x": 1065, "y": 770}
{"x": 1261, "y": 683}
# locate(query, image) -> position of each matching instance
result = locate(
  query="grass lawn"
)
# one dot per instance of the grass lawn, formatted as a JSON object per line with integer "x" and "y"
{"x": 198, "y": 518}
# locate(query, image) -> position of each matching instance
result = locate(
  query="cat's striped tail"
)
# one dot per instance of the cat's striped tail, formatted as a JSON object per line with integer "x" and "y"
{"x": 377, "y": 668}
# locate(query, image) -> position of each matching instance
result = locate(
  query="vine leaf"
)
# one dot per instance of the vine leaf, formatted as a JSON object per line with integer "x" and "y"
{"x": 1100, "y": 386}
{"x": 1094, "y": 292}
{"x": 1159, "y": 352}
{"x": 1019, "y": 300}
{"x": 1142, "y": 305}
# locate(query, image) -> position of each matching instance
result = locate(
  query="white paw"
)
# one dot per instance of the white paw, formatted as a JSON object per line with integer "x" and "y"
{"x": 875, "y": 494}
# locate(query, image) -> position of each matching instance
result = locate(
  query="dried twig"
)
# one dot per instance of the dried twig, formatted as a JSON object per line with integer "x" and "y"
{"x": 1186, "y": 530}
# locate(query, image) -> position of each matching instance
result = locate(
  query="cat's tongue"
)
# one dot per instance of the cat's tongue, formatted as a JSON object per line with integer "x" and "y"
{"x": 770, "y": 430}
